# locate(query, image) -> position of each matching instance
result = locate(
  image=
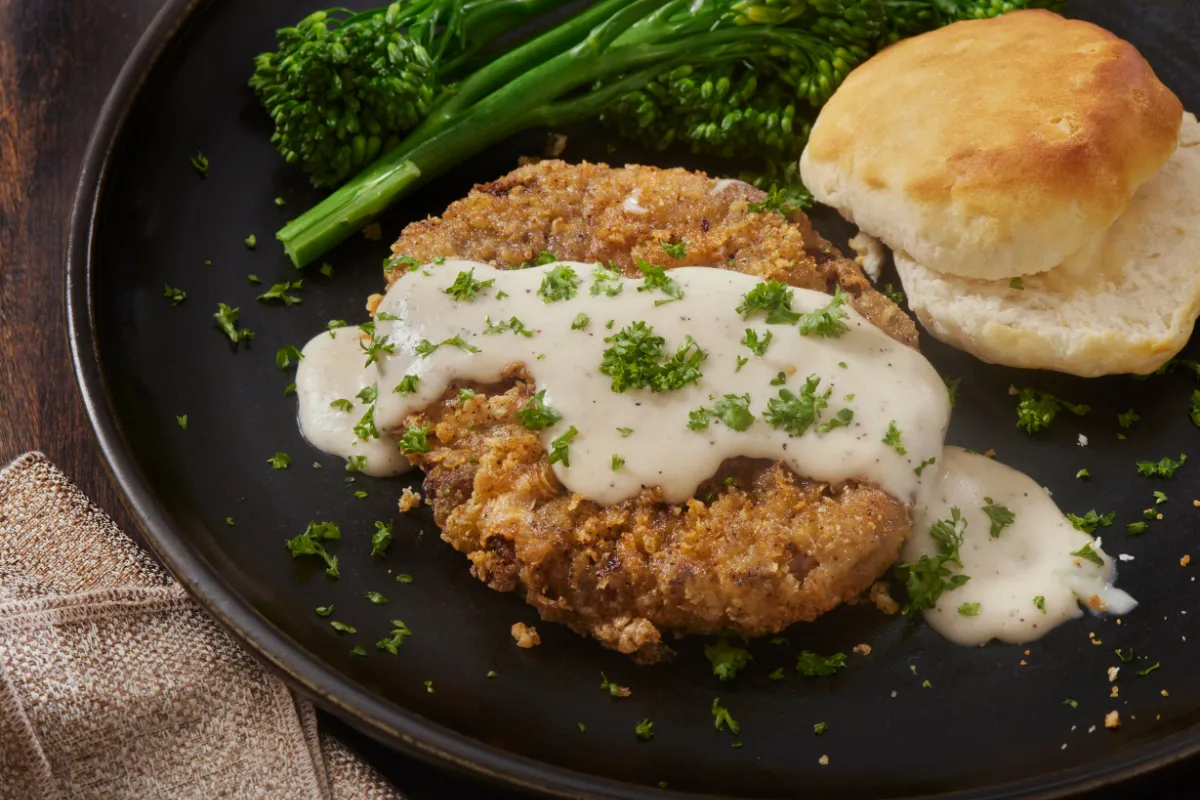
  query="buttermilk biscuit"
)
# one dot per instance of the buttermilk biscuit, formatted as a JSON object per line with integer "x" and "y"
{"x": 993, "y": 148}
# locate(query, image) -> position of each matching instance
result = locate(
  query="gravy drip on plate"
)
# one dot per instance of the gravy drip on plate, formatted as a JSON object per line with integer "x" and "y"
{"x": 1027, "y": 559}
{"x": 873, "y": 382}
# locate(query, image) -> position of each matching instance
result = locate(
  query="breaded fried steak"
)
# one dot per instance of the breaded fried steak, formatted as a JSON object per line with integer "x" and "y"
{"x": 758, "y": 548}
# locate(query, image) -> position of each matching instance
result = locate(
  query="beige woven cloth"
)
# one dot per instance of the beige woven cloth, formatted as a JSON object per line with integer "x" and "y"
{"x": 114, "y": 684}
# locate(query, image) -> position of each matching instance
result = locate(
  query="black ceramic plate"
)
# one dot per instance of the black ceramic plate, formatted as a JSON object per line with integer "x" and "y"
{"x": 992, "y": 722}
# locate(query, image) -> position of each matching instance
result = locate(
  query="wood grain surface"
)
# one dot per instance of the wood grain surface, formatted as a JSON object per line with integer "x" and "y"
{"x": 57, "y": 61}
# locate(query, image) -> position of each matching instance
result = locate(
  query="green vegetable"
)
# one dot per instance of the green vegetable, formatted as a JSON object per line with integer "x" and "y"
{"x": 580, "y": 322}
{"x": 1088, "y": 553}
{"x": 772, "y": 298}
{"x": 465, "y": 287}
{"x": 727, "y": 658}
{"x": 820, "y": 728}
{"x": 929, "y": 577}
{"x": 414, "y": 440}
{"x": 280, "y": 461}
{"x": 560, "y": 283}
{"x": 1164, "y": 468}
{"x": 722, "y": 719}
{"x": 1091, "y": 520}
{"x": 407, "y": 385}
{"x": 952, "y": 387}
{"x": 895, "y": 295}
{"x": 969, "y": 609}
{"x": 515, "y": 325}
{"x": 559, "y": 447}
{"x": 227, "y": 320}
{"x": 1144, "y": 672}
{"x": 1037, "y": 409}
{"x": 732, "y": 409}
{"x": 404, "y": 578}
{"x": 309, "y": 544}
{"x": 426, "y": 348}
{"x": 1126, "y": 659}
{"x": 812, "y": 665}
{"x": 1040, "y": 602}
{"x": 757, "y": 345}
{"x": 606, "y": 281}
{"x": 776, "y": 674}
{"x": 382, "y": 538}
{"x": 676, "y": 251}
{"x": 1071, "y": 703}
{"x": 636, "y": 359}
{"x": 286, "y": 355}
{"x": 644, "y": 730}
{"x": 279, "y": 291}
{"x": 1127, "y": 419}
{"x": 324, "y": 611}
{"x": 377, "y": 598}
{"x": 920, "y": 468}
{"x": 343, "y": 628}
{"x": 356, "y": 463}
{"x": 182, "y": 421}
{"x": 251, "y": 241}
{"x": 429, "y": 687}
{"x": 1016, "y": 283}
{"x": 656, "y": 279}
{"x": 613, "y": 689}
{"x": 1135, "y": 528}
{"x": 892, "y": 438}
{"x": 617, "y": 462}
{"x": 624, "y": 432}
{"x": 176, "y": 296}
{"x": 465, "y": 394}
{"x": 1001, "y": 517}
{"x": 1083, "y": 475}
{"x": 796, "y": 413}
{"x": 827, "y": 320}
{"x": 200, "y": 164}
{"x": 842, "y": 419}
{"x": 392, "y": 643}
{"x": 536, "y": 415}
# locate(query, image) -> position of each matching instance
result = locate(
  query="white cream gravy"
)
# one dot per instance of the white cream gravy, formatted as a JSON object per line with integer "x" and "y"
{"x": 1030, "y": 558}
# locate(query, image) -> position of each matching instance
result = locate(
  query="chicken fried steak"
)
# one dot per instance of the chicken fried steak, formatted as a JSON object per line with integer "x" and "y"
{"x": 758, "y": 548}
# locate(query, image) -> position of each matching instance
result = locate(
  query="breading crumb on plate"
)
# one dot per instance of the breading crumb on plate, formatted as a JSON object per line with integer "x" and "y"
{"x": 862, "y": 649}
{"x": 823, "y": 761}
{"x": 1112, "y": 720}
{"x": 526, "y": 636}
{"x": 409, "y": 500}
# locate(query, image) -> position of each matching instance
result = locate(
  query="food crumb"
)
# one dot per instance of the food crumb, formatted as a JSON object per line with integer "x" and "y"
{"x": 1022, "y": 662}
{"x": 555, "y": 144}
{"x": 823, "y": 761}
{"x": 1026, "y": 652}
{"x": 1112, "y": 673}
{"x": 1092, "y": 729}
{"x": 882, "y": 598}
{"x": 1082, "y": 440}
{"x": 409, "y": 500}
{"x": 1183, "y": 562}
{"x": 373, "y": 232}
{"x": 1116, "y": 691}
{"x": 862, "y": 649}
{"x": 526, "y": 636}
{"x": 893, "y": 692}
{"x": 1125, "y": 557}
{"x": 1196, "y": 503}
{"x": 1164, "y": 693}
{"x": 1112, "y": 720}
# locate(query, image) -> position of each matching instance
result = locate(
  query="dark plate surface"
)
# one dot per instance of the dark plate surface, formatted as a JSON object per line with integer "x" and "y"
{"x": 993, "y": 722}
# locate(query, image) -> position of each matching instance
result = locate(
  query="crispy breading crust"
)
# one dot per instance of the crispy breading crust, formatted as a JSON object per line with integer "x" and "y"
{"x": 760, "y": 548}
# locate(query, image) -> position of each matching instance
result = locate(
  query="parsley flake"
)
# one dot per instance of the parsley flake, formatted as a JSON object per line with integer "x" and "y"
{"x": 465, "y": 287}
{"x": 812, "y": 665}
{"x": 200, "y": 164}
{"x": 404, "y": 578}
{"x": 776, "y": 674}
{"x": 677, "y": 250}
{"x": 926, "y": 463}
{"x": 1144, "y": 672}
{"x": 414, "y": 440}
{"x": 636, "y": 359}
{"x": 343, "y": 628}
{"x": 560, "y": 283}
{"x": 756, "y": 344}
{"x": 1127, "y": 419}
{"x": 382, "y": 538}
{"x": 356, "y": 463}
{"x": 606, "y": 281}
{"x": 644, "y": 730}
{"x": 392, "y": 643}
{"x": 426, "y": 348}
{"x": 1000, "y": 516}
{"x": 1091, "y": 520}
{"x": 286, "y": 355}
{"x": 342, "y": 404}
{"x": 969, "y": 609}
{"x": 536, "y": 415}
{"x": 1135, "y": 528}
{"x": 324, "y": 611}
{"x": 617, "y": 462}
{"x": 1015, "y": 283}
{"x": 820, "y": 728}
{"x": 377, "y": 598}
{"x": 826, "y": 321}
{"x": 772, "y": 298}
{"x": 1040, "y": 602}
{"x": 309, "y": 544}
{"x": 176, "y": 296}
{"x": 227, "y": 320}
{"x": 727, "y": 658}
{"x": 952, "y": 388}
{"x": 559, "y": 447}
{"x": 407, "y": 385}
{"x": 580, "y": 322}
{"x": 796, "y": 413}
{"x": 279, "y": 291}
{"x": 1037, "y": 409}
{"x": 279, "y": 461}
{"x": 624, "y": 432}
{"x": 783, "y": 201}
{"x": 927, "y": 578}
{"x": 1088, "y": 553}
{"x": 656, "y": 280}
{"x": 722, "y": 719}
{"x": 182, "y": 421}
{"x": 1164, "y": 468}
{"x": 1083, "y": 475}
{"x": 1071, "y": 703}
{"x": 892, "y": 438}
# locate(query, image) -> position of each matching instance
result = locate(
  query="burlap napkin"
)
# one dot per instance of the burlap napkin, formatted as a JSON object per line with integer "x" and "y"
{"x": 114, "y": 684}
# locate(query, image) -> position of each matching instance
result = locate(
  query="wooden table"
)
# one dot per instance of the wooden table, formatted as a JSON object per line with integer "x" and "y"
{"x": 57, "y": 61}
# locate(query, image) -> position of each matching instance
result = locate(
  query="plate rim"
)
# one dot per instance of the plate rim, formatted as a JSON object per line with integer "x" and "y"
{"x": 330, "y": 689}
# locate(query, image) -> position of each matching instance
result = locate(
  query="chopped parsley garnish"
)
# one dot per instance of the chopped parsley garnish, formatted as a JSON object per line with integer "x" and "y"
{"x": 1088, "y": 553}
{"x": 826, "y": 321}
{"x": 624, "y": 432}
{"x": 513, "y": 324}
{"x": 1127, "y": 419}
{"x": 795, "y": 414}
{"x": 580, "y": 322}
{"x": 1164, "y": 468}
{"x": 182, "y": 421}
{"x": 969, "y": 609}
{"x": 1015, "y": 283}
{"x": 559, "y": 447}
{"x": 1037, "y": 409}
{"x": 229, "y": 521}
{"x": 286, "y": 355}
{"x": 333, "y": 325}
{"x": 842, "y": 419}
{"x": 429, "y": 687}
{"x": 1135, "y": 528}
{"x": 1194, "y": 410}
{"x": 812, "y": 665}
{"x": 414, "y": 440}
{"x": 356, "y": 463}
{"x": 1040, "y": 602}
{"x": 779, "y": 380}
{"x": 732, "y": 409}
{"x": 359, "y": 651}
{"x": 617, "y": 462}
{"x": 251, "y": 241}
{"x": 925, "y": 684}
{"x": 952, "y": 387}
{"x": 360, "y": 494}
{"x": 536, "y": 415}
{"x": 426, "y": 348}
{"x": 1126, "y": 659}
{"x": 368, "y": 394}
{"x": 1159, "y": 498}
{"x": 227, "y": 319}
{"x": 492, "y": 674}
{"x": 927, "y": 578}
{"x": 324, "y": 611}
{"x": 892, "y": 438}
{"x": 377, "y": 598}
{"x": 677, "y": 250}
{"x": 342, "y": 404}
{"x": 465, "y": 394}
{"x": 382, "y": 538}
{"x": 1083, "y": 475}
{"x": 727, "y": 658}
{"x": 820, "y": 728}
{"x": 1071, "y": 703}
{"x": 1091, "y": 520}
{"x": 400, "y": 260}
{"x": 343, "y": 628}
{"x": 606, "y": 281}
{"x": 279, "y": 201}
{"x": 656, "y": 279}
{"x": 176, "y": 296}
{"x": 392, "y": 643}
{"x": 327, "y": 269}
{"x": 407, "y": 385}
{"x": 636, "y": 359}
{"x": 644, "y": 730}
{"x": 756, "y": 344}
{"x": 1001, "y": 517}
{"x": 465, "y": 287}
{"x": 772, "y": 298}
{"x": 1144, "y": 672}
{"x": 279, "y": 461}
{"x": 560, "y": 283}
{"x": 376, "y": 345}
{"x": 926, "y": 463}
{"x": 542, "y": 259}
{"x": 722, "y": 719}
{"x": 279, "y": 291}
{"x": 404, "y": 578}
{"x": 253, "y": 278}
{"x": 779, "y": 641}
{"x": 784, "y": 201}
{"x": 613, "y": 689}
{"x": 776, "y": 674}
{"x": 741, "y": 362}
{"x": 893, "y": 294}
{"x": 309, "y": 544}
{"x": 366, "y": 429}
{"x": 200, "y": 164}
